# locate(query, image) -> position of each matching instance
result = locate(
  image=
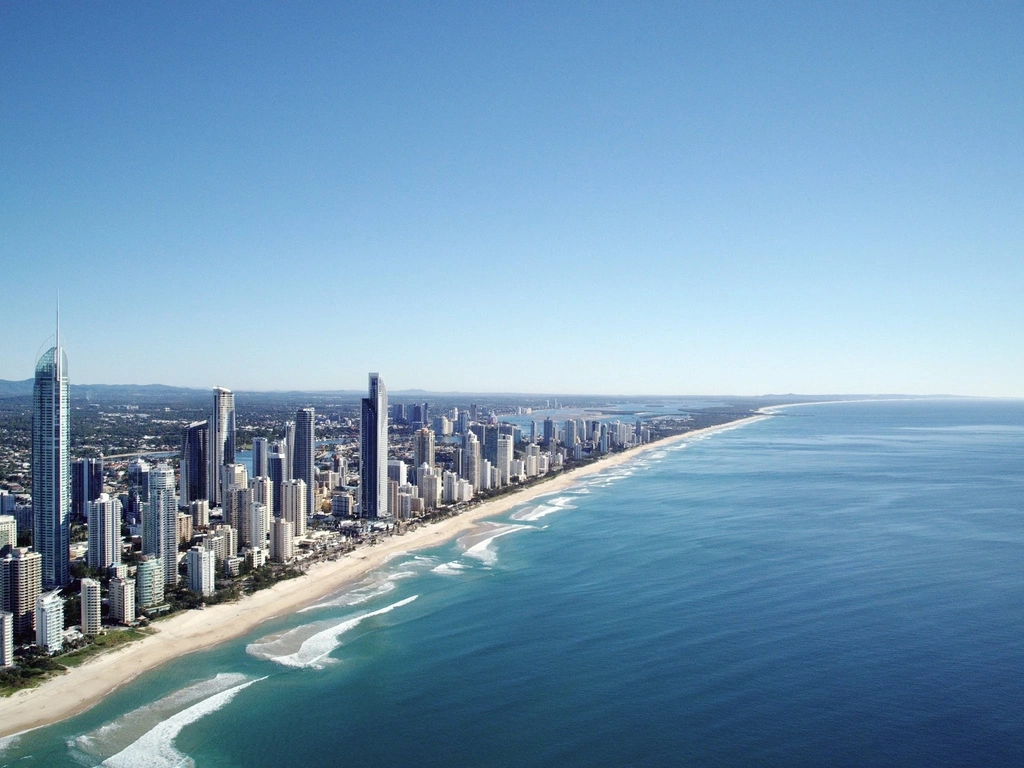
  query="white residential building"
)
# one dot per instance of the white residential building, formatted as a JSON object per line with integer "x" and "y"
{"x": 50, "y": 621}
{"x": 91, "y": 614}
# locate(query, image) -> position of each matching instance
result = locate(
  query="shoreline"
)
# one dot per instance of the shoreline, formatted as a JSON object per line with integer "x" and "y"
{"x": 70, "y": 694}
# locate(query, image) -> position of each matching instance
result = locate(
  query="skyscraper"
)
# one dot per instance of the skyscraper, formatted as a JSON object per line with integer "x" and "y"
{"x": 504, "y": 462}
{"x": 303, "y": 456}
{"x": 293, "y": 505}
{"x": 288, "y": 438}
{"x": 86, "y": 485}
{"x": 195, "y": 462}
{"x": 222, "y": 439}
{"x": 423, "y": 448}
{"x": 51, "y": 466}
{"x": 163, "y": 513}
{"x": 104, "y": 532}
{"x": 373, "y": 451}
{"x": 278, "y": 476}
{"x": 260, "y": 457}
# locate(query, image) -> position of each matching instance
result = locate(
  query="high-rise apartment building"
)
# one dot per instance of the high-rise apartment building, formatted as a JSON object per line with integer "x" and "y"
{"x": 163, "y": 515}
{"x": 373, "y": 451}
{"x": 423, "y": 448}
{"x": 293, "y": 505}
{"x": 104, "y": 532}
{"x": 195, "y": 462}
{"x": 260, "y": 457}
{"x": 8, "y": 531}
{"x": 282, "y": 540}
{"x": 471, "y": 459}
{"x": 121, "y": 597}
{"x": 288, "y": 444}
{"x": 86, "y": 485}
{"x": 201, "y": 564}
{"x": 303, "y": 466}
{"x": 51, "y": 466}
{"x": 149, "y": 582}
{"x": 50, "y": 621}
{"x": 90, "y": 600}
{"x": 222, "y": 439}
{"x": 504, "y": 458}
{"x": 20, "y": 584}
{"x": 6, "y": 639}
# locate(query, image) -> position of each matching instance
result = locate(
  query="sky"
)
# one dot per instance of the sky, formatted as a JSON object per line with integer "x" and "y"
{"x": 607, "y": 198}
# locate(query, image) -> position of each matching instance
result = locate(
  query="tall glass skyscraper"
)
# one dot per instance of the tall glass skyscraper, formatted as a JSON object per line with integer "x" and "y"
{"x": 222, "y": 440}
{"x": 51, "y": 466}
{"x": 373, "y": 451}
{"x": 195, "y": 462}
{"x": 305, "y": 452}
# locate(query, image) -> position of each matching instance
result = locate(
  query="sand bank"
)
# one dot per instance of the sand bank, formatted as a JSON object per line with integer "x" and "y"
{"x": 66, "y": 695}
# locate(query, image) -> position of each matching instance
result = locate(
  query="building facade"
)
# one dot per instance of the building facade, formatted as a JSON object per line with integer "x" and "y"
{"x": 50, "y": 622}
{"x": 104, "y": 532}
{"x": 51, "y": 466}
{"x": 91, "y": 607}
{"x": 304, "y": 455}
{"x": 222, "y": 439}
{"x": 195, "y": 462}
{"x": 373, "y": 451}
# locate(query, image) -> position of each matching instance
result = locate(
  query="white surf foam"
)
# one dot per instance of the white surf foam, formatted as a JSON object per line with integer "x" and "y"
{"x": 482, "y": 550}
{"x": 118, "y": 734}
{"x": 9, "y": 741}
{"x": 155, "y": 749}
{"x": 369, "y": 589}
{"x": 315, "y": 648}
{"x": 453, "y": 568}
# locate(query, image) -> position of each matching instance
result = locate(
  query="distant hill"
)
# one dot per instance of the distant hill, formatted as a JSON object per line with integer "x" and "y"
{"x": 15, "y": 388}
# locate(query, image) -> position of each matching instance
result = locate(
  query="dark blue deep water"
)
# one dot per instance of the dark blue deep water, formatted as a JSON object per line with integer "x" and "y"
{"x": 838, "y": 585}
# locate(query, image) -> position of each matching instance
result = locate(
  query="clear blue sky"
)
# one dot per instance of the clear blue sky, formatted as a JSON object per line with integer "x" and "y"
{"x": 588, "y": 197}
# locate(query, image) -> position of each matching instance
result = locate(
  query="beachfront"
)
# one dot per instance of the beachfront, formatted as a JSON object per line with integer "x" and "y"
{"x": 66, "y": 695}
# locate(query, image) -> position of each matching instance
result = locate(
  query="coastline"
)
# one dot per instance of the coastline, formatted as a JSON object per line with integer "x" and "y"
{"x": 64, "y": 696}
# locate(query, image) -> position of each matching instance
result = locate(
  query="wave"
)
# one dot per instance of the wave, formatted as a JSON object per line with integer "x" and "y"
{"x": 529, "y": 515}
{"x": 118, "y": 734}
{"x": 371, "y": 588}
{"x": 482, "y": 550}
{"x": 450, "y": 569}
{"x": 155, "y": 748}
{"x": 9, "y": 741}
{"x": 315, "y": 648}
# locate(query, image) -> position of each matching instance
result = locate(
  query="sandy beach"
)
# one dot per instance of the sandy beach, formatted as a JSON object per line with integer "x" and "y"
{"x": 66, "y": 695}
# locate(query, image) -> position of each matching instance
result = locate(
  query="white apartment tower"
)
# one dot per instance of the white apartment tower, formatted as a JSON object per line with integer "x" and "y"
{"x": 222, "y": 439}
{"x": 104, "y": 531}
{"x": 6, "y": 639}
{"x": 282, "y": 540}
{"x": 293, "y": 505}
{"x": 121, "y": 596}
{"x": 163, "y": 515}
{"x": 91, "y": 622}
{"x": 50, "y": 621}
{"x": 202, "y": 564}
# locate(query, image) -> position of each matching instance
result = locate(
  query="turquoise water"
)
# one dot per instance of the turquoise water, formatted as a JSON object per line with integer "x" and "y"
{"x": 838, "y": 585}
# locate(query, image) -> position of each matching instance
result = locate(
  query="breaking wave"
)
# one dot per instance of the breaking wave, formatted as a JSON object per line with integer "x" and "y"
{"x": 315, "y": 648}
{"x": 155, "y": 749}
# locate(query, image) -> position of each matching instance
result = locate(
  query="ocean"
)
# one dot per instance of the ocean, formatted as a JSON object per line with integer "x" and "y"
{"x": 841, "y": 585}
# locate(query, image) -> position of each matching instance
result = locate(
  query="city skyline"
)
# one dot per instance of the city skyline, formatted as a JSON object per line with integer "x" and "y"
{"x": 667, "y": 200}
